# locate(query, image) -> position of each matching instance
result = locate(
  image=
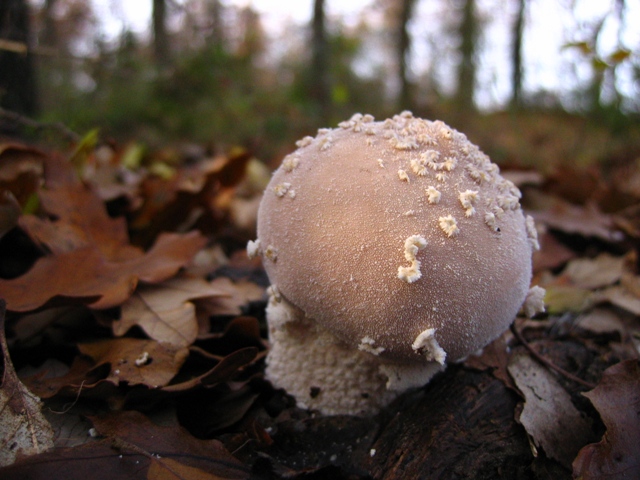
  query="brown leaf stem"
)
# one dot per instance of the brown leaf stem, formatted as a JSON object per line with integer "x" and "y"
{"x": 548, "y": 363}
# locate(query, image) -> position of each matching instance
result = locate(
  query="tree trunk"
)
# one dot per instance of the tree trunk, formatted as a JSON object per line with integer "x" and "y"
{"x": 17, "y": 79}
{"x": 467, "y": 70}
{"x": 160, "y": 38}
{"x": 516, "y": 56}
{"x": 319, "y": 62}
{"x": 405, "y": 100}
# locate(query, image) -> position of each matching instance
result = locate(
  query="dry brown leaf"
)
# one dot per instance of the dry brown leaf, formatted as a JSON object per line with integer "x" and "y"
{"x": 164, "y": 312}
{"x": 236, "y": 295}
{"x": 168, "y": 469}
{"x": 132, "y": 445}
{"x": 566, "y": 217}
{"x": 548, "y": 415}
{"x": 140, "y": 433}
{"x": 23, "y": 429}
{"x": 560, "y": 298}
{"x": 86, "y": 276}
{"x": 601, "y": 320}
{"x": 21, "y": 170}
{"x": 617, "y": 399}
{"x": 599, "y": 272}
{"x": 137, "y": 362}
{"x": 620, "y": 297}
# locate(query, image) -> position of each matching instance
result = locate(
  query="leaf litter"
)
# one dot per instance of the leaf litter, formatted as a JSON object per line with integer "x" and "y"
{"x": 136, "y": 324}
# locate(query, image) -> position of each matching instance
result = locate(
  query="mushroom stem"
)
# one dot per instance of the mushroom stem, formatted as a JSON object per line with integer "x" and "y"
{"x": 323, "y": 373}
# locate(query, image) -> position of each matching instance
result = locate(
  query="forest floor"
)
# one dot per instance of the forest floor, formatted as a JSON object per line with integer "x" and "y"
{"x": 131, "y": 352}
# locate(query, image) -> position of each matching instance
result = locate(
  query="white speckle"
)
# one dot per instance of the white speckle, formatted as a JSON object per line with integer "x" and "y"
{"x": 534, "y": 302}
{"x": 430, "y": 158}
{"x": 490, "y": 220}
{"x": 467, "y": 199}
{"x": 405, "y": 144}
{"x": 367, "y": 118}
{"x": 326, "y": 143}
{"x": 253, "y": 248}
{"x": 440, "y": 177}
{"x": 532, "y": 233}
{"x": 450, "y": 163}
{"x": 419, "y": 166}
{"x": 372, "y": 452}
{"x": 366, "y": 345}
{"x": 426, "y": 139}
{"x": 271, "y": 253}
{"x": 433, "y": 195}
{"x": 281, "y": 189}
{"x": 93, "y": 433}
{"x": 291, "y": 193}
{"x": 274, "y": 294}
{"x": 303, "y": 142}
{"x": 381, "y": 163}
{"x": 290, "y": 163}
{"x": 402, "y": 175}
{"x": 143, "y": 359}
{"x": 426, "y": 344}
{"x": 449, "y": 225}
{"x": 412, "y": 245}
{"x": 409, "y": 213}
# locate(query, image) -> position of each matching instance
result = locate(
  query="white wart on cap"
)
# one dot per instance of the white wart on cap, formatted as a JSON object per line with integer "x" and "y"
{"x": 391, "y": 247}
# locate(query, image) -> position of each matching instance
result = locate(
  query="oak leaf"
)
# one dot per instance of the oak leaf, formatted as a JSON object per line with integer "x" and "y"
{"x": 617, "y": 399}
{"x": 23, "y": 429}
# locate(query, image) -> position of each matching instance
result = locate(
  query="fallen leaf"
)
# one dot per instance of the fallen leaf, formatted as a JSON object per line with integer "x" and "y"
{"x": 136, "y": 449}
{"x": 237, "y": 294}
{"x": 164, "y": 312}
{"x": 601, "y": 320}
{"x": 86, "y": 276}
{"x": 548, "y": 415}
{"x": 566, "y": 217}
{"x": 617, "y": 399}
{"x": 9, "y": 211}
{"x": 560, "y": 298}
{"x": 136, "y": 361}
{"x": 23, "y": 429}
{"x": 224, "y": 370}
{"x": 173, "y": 442}
{"x": 620, "y": 297}
{"x": 21, "y": 170}
{"x": 601, "y": 271}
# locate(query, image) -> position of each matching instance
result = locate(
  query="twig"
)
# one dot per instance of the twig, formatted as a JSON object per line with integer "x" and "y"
{"x": 31, "y": 123}
{"x": 548, "y": 362}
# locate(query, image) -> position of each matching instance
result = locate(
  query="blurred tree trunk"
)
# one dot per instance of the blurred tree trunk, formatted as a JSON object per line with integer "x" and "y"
{"x": 319, "y": 79}
{"x": 468, "y": 33}
{"x": 516, "y": 56}
{"x": 405, "y": 100}
{"x": 215, "y": 12}
{"x": 49, "y": 35}
{"x": 160, "y": 38}
{"x": 17, "y": 78}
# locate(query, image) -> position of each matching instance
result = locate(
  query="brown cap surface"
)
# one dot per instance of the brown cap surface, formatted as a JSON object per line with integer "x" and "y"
{"x": 382, "y": 230}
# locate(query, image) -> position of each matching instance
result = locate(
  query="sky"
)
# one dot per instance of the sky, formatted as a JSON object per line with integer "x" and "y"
{"x": 547, "y": 27}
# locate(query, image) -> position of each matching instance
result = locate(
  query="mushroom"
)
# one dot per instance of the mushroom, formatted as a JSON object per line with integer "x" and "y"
{"x": 392, "y": 248}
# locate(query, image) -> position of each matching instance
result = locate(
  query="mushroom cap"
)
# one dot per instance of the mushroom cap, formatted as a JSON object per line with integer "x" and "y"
{"x": 380, "y": 231}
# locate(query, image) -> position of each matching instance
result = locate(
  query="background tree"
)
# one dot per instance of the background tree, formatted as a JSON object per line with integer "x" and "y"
{"x": 468, "y": 34}
{"x": 17, "y": 80}
{"x": 319, "y": 81}
{"x": 516, "y": 54}
{"x": 405, "y": 98}
{"x": 160, "y": 36}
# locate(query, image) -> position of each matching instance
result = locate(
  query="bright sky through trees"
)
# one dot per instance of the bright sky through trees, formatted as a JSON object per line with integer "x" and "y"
{"x": 549, "y": 25}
